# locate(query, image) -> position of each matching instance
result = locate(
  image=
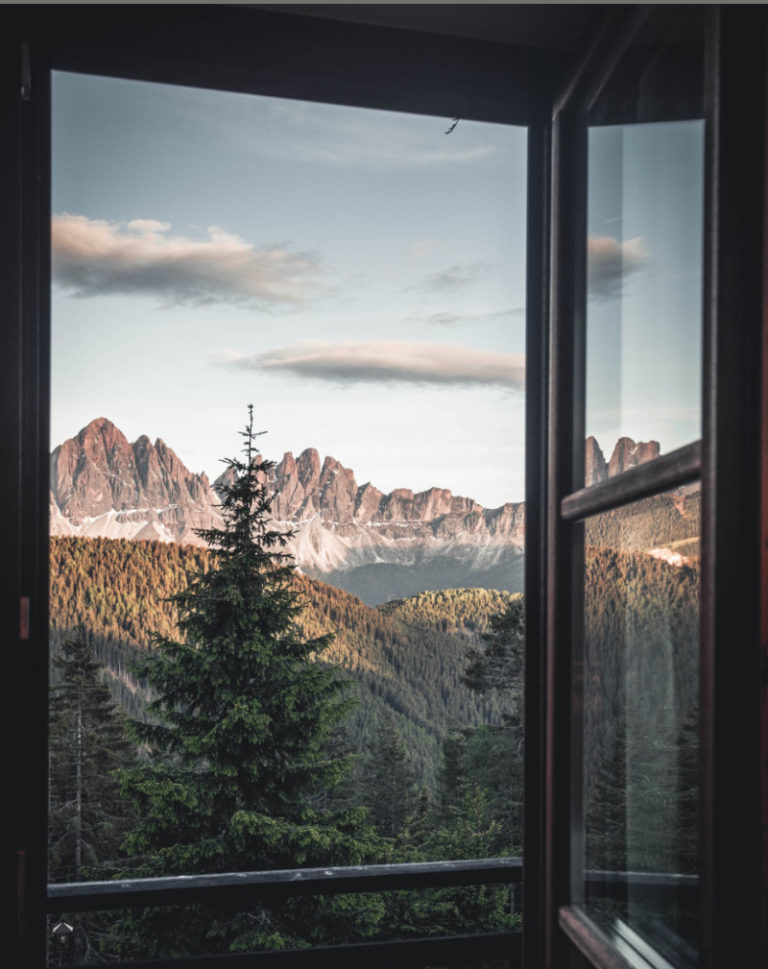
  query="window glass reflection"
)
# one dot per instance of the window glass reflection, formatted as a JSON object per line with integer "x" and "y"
{"x": 644, "y": 281}
{"x": 640, "y": 722}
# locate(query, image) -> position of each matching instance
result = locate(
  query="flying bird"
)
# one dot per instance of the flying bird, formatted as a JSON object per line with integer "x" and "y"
{"x": 453, "y": 125}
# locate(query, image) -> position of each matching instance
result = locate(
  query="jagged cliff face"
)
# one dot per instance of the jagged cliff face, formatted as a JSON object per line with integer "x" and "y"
{"x": 626, "y": 454}
{"x": 305, "y": 490}
{"x": 103, "y": 486}
{"x": 382, "y": 546}
{"x": 373, "y": 544}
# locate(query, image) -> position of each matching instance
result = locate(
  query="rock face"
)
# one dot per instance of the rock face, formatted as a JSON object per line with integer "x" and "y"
{"x": 373, "y": 544}
{"x": 626, "y": 454}
{"x": 103, "y": 486}
{"x": 305, "y": 489}
{"x": 381, "y": 546}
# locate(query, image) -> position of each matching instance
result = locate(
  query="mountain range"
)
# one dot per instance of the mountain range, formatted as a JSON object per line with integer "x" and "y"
{"x": 375, "y": 545}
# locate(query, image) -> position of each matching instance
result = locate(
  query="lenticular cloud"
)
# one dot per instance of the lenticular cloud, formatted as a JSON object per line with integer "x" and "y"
{"x": 93, "y": 257}
{"x": 388, "y": 361}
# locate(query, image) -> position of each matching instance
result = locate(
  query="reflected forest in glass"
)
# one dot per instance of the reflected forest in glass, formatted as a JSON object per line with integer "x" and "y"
{"x": 640, "y": 720}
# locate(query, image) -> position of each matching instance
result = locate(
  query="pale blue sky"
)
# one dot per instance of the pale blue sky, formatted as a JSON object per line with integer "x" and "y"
{"x": 357, "y": 275}
{"x": 644, "y": 314}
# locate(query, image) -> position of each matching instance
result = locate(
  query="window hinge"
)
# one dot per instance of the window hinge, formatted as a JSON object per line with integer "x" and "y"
{"x": 26, "y": 73}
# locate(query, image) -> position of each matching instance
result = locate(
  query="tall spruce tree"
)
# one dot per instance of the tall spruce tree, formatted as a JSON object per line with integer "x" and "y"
{"x": 88, "y": 743}
{"x": 240, "y": 760}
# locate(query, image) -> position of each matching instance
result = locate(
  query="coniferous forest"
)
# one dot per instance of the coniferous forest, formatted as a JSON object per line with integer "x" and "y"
{"x": 213, "y": 710}
{"x": 243, "y": 717}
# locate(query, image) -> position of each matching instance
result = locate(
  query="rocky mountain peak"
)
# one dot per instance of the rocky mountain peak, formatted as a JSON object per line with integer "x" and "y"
{"x": 626, "y": 454}
{"x": 103, "y": 485}
{"x": 629, "y": 454}
{"x": 595, "y": 468}
{"x": 354, "y": 536}
{"x": 308, "y": 467}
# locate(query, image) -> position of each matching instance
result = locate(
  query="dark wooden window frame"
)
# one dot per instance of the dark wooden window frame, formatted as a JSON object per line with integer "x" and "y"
{"x": 269, "y": 53}
{"x": 250, "y": 51}
{"x": 726, "y": 462}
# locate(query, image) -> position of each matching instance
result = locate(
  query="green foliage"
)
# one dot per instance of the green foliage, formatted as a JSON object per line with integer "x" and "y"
{"x": 403, "y": 660}
{"x": 88, "y": 743}
{"x": 466, "y": 828}
{"x": 87, "y": 818}
{"x": 387, "y": 783}
{"x": 239, "y": 762}
{"x": 404, "y": 663}
{"x": 486, "y": 761}
{"x": 499, "y": 664}
{"x": 452, "y": 610}
{"x": 641, "y": 622}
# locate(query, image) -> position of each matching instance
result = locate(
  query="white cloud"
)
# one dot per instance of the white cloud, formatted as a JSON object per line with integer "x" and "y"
{"x": 386, "y": 362}
{"x": 610, "y": 263}
{"x": 95, "y": 257}
{"x": 148, "y": 225}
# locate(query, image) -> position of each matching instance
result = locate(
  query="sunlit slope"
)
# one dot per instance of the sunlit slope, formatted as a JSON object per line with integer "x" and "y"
{"x": 405, "y": 659}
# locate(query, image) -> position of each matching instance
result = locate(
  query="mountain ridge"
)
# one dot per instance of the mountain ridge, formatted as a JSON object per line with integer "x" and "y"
{"x": 373, "y": 544}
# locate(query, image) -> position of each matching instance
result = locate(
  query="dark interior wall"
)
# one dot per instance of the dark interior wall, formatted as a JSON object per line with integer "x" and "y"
{"x": 268, "y": 52}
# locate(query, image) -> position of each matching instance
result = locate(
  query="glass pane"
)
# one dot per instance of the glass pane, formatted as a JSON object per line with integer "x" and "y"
{"x": 640, "y": 722}
{"x": 645, "y": 205}
{"x": 359, "y": 277}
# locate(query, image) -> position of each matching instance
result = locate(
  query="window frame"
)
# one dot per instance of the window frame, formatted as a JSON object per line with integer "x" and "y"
{"x": 725, "y": 460}
{"x": 245, "y": 50}
{"x": 251, "y": 49}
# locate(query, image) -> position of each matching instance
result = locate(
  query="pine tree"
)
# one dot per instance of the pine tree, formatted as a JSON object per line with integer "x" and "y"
{"x": 390, "y": 791}
{"x": 492, "y": 756}
{"x": 499, "y": 663}
{"x": 88, "y": 742}
{"x": 87, "y": 819}
{"x": 239, "y": 746}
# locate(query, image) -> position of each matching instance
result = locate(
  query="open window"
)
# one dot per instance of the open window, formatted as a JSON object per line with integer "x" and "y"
{"x": 380, "y": 346}
{"x": 312, "y": 73}
{"x": 650, "y": 314}
{"x": 609, "y": 96}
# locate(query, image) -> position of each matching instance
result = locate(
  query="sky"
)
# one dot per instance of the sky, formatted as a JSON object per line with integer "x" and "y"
{"x": 645, "y": 223}
{"x": 357, "y": 275}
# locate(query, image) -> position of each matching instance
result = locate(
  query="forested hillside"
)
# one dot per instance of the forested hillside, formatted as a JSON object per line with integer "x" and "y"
{"x": 653, "y": 523}
{"x": 437, "y": 772}
{"x": 641, "y": 657}
{"x": 405, "y": 658}
{"x": 438, "y": 766}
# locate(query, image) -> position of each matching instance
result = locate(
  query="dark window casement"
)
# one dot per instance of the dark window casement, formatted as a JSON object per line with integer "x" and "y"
{"x": 579, "y": 78}
{"x": 669, "y": 103}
